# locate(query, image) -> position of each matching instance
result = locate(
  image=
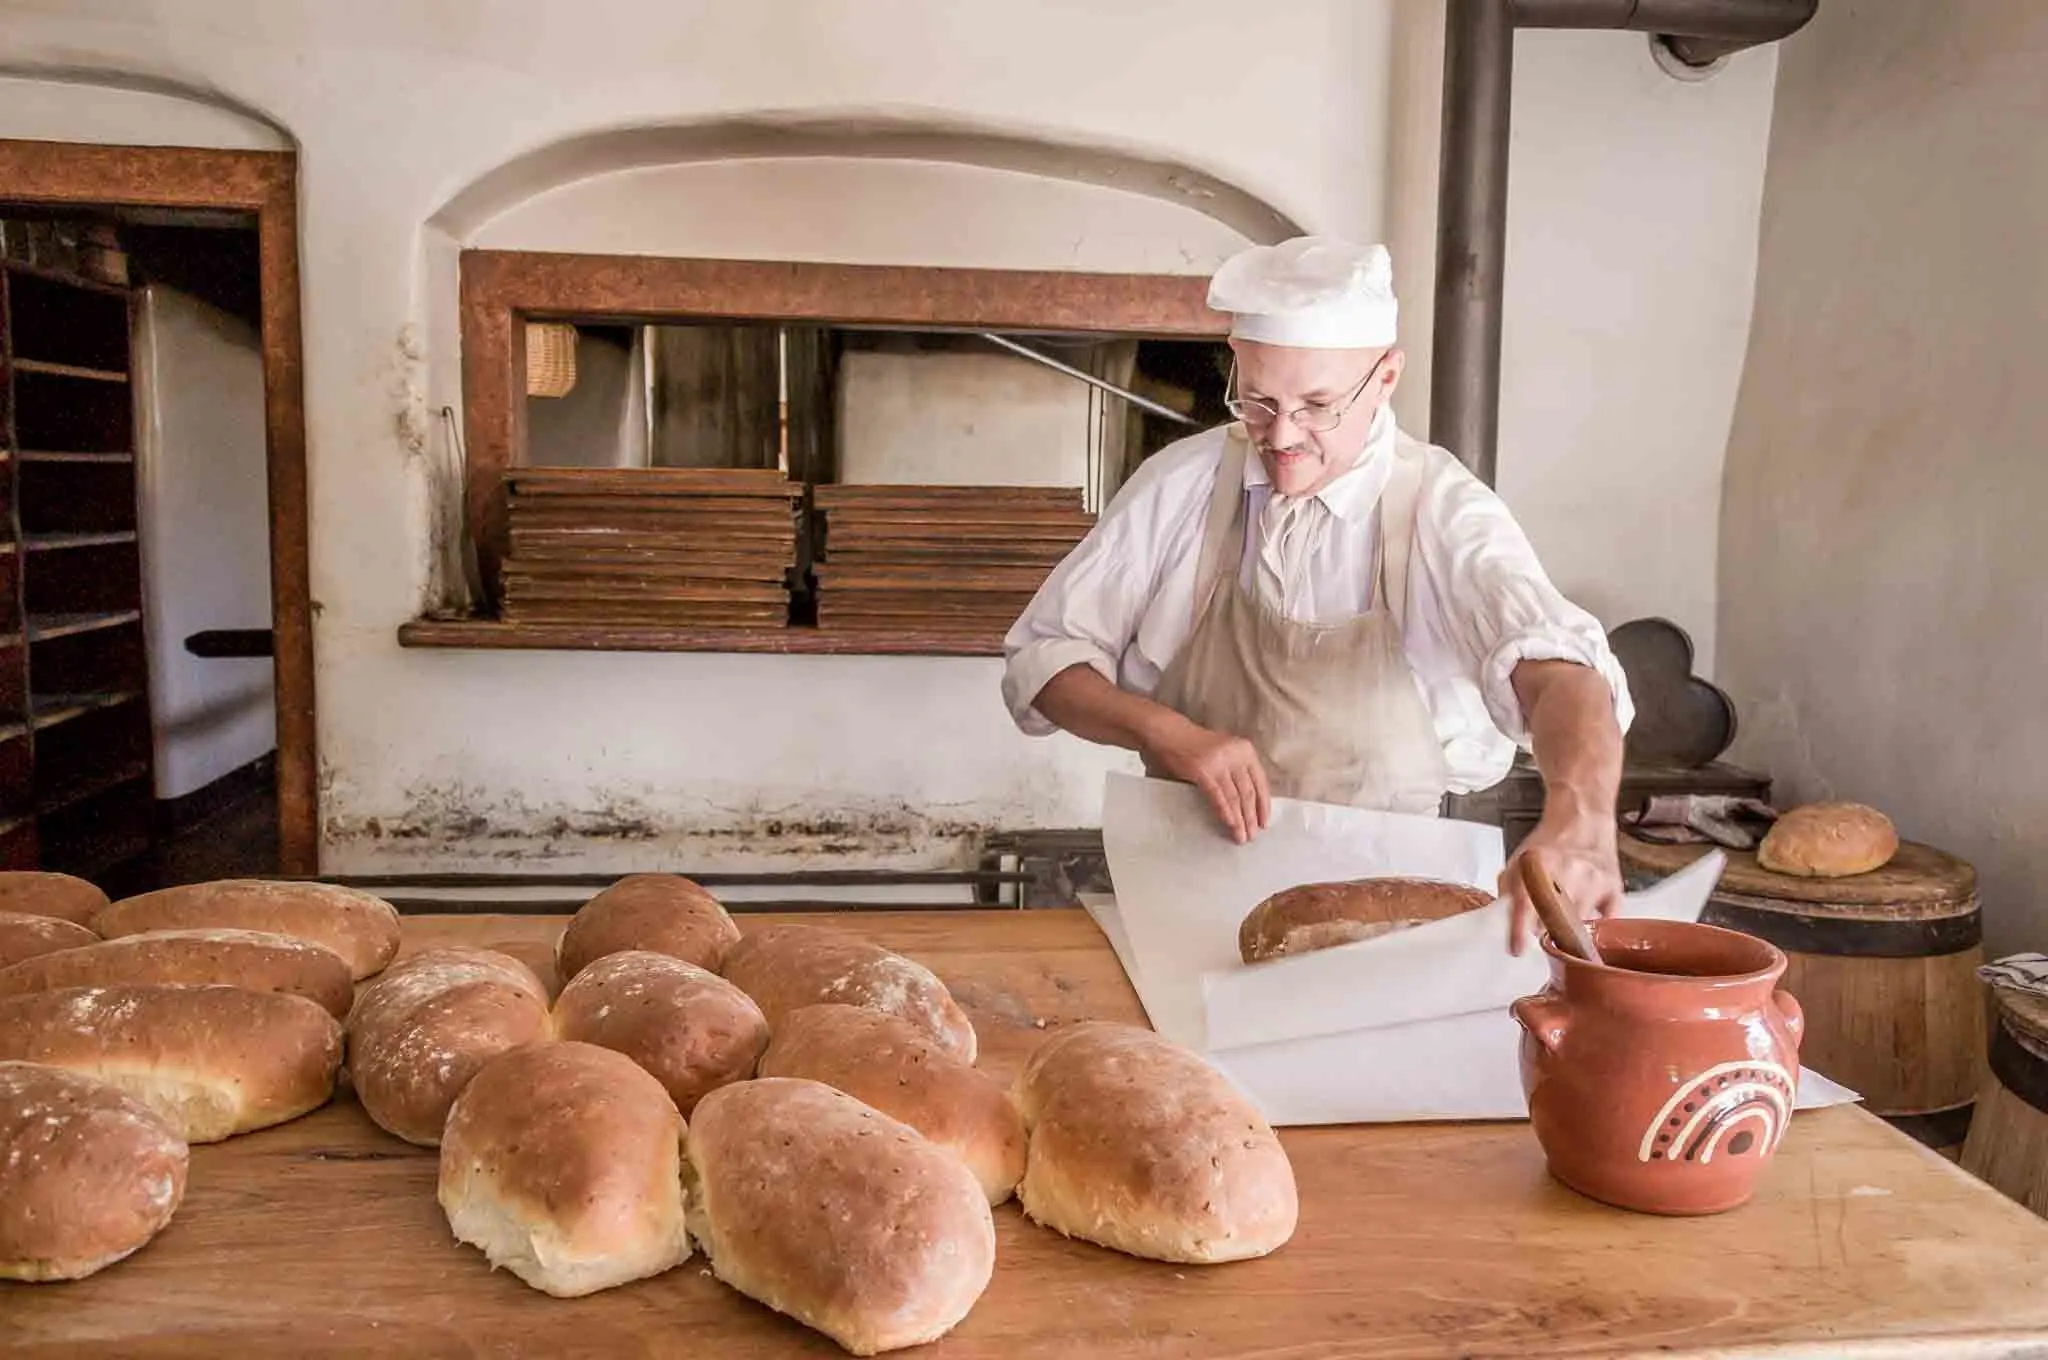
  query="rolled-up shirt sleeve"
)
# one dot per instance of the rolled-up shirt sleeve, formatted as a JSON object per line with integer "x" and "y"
{"x": 1085, "y": 614}
{"x": 1500, "y": 607}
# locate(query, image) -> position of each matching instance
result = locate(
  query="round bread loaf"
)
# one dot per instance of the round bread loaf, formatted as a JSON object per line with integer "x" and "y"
{"x": 361, "y": 928}
{"x": 691, "y": 1028}
{"x": 787, "y": 967}
{"x": 235, "y": 958}
{"x": 1320, "y": 915}
{"x": 35, "y": 892}
{"x": 661, "y": 913}
{"x": 887, "y": 1062}
{"x": 1139, "y": 1145}
{"x": 831, "y": 1212}
{"x": 1829, "y": 840}
{"x": 562, "y": 1164}
{"x": 213, "y": 1061}
{"x": 87, "y": 1174}
{"x": 422, "y": 1030}
{"x": 23, "y": 936}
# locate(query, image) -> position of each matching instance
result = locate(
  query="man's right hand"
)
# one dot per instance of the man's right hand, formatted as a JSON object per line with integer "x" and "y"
{"x": 1225, "y": 768}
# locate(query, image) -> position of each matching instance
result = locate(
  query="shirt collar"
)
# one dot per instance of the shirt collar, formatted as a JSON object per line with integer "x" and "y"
{"x": 1355, "y": 494}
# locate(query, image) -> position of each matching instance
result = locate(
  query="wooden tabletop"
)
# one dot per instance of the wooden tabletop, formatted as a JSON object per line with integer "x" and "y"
{"x": 322, "y": 1238}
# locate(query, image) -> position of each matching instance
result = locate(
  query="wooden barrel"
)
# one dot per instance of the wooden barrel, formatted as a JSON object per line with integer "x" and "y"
{"x": 1885, "y": 964}
{"x": 2008, "y": 1143}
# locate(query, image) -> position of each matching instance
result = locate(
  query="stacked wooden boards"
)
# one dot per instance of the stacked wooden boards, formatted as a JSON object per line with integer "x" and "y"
{"x": 953, "y": 560}
{"x": 653, "y": 547}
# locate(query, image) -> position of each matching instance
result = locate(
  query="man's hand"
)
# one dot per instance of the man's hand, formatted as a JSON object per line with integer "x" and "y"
{"x": 1225, "y": 768}
{"x": 1577, "y": 851}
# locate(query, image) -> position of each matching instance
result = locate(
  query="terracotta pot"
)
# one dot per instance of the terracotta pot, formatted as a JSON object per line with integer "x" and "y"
{"x": 1664, "y": 1080}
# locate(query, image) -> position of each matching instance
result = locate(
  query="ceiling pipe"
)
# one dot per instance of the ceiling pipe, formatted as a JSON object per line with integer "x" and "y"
{"x": 1472, "y": 181}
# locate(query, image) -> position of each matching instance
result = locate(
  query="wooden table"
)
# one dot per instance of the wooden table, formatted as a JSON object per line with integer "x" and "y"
{"x": 323, "y": 1238}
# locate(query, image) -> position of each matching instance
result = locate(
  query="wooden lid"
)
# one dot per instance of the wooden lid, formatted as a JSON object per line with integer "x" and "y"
{"x": 1919, "y": 875}
{"x": 2025, "y": 1014}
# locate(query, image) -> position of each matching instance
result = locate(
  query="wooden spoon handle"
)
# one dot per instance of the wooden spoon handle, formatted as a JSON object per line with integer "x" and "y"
{"x": 1555, "y": 910}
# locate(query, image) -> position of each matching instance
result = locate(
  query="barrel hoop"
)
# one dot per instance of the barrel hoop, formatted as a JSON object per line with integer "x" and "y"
{"x": 1939, "y": 1129}
{"x": 1849, "y": 937}
{"x": 2019, "y": 1069}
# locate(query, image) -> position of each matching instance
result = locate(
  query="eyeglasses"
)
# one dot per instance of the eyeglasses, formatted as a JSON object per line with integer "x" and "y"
{"x": 1314, "y": 419}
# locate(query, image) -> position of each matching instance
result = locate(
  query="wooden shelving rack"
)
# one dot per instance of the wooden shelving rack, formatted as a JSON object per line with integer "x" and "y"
{"x": 77, "y": 786}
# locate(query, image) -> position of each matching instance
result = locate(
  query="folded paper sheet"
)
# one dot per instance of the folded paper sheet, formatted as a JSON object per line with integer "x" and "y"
{"x": 1410, "y": 1026}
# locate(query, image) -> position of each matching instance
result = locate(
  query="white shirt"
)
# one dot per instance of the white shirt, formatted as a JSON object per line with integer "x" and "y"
{"x": 1479, "y": 602}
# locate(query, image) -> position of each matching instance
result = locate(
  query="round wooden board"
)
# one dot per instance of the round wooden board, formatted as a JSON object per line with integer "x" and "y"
{"x": 1918, "y": 874}
{"x": 2025, "y": 1014}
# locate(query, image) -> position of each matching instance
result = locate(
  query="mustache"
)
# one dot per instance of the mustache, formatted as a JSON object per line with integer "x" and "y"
{"x": 1304, "y": 446}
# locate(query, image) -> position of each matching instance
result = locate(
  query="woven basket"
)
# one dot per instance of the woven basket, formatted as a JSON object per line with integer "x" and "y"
{"x": 550, "y": 358}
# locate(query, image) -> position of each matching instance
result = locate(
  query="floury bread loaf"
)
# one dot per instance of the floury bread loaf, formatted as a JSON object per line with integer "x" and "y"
{"x": 691, "y": 1028}
{"x": 1139, "y": 1145}
{"x": 889, "y": 1063}
{"x": 1320, "y": 915}
{"x": 39, "y": 893}
{"x": 88, "y": 1174}
{"x": 660, "y": 913}
{"x": 1829, "y": 840}
{"x": 785, "y": 968}
{"x": 233, "y": 958}
{"x": 562, "y": 1164}
{"x": 213, "y": 1061}
{"x": 24, "y": 937}
{"x": 361, "y": 928}
{"x": 831, "y": 1212}
{"x": 423, "y": 1029}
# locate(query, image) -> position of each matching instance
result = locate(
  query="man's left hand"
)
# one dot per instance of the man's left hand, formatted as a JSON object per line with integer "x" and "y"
{"x": 1577, "y": 851}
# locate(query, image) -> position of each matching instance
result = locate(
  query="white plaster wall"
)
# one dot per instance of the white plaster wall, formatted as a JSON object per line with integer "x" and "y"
{"x": 205, "y": 527}
{"x": 960, "y": 420}
{"x": 1882, "y": 607}
{"x": 79, "y": 110}
{"x": 396, "y": 107}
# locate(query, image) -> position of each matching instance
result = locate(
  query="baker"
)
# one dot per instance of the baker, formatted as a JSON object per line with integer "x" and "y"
{"x": 1309, "y": 603}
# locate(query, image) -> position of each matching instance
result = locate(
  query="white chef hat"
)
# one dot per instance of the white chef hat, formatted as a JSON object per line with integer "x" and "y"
{"x": 1314, "y": 292}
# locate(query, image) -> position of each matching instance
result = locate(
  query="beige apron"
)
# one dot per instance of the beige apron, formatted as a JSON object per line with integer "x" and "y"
{"x": 1334, "y": 710}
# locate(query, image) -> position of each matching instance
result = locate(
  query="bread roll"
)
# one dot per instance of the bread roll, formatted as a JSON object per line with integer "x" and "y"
{"x": 1319, "y": 915}
{"x": 562, "y": 1164}
{"x": 661, "y": 913}
{"x": 1139, "y": 1145}
{"x": 422, "y": 1030}
{"x": 887, "y": 1062}
{"x": 1829, "y": 840}
{"x": 24, "y": 937}
{"x": 213, "y": 1061}
{"x": 691, "y": 1028}
{"x": 831, "y": 1212}
{"x": 361, "y": 928}
{"x": 786, "y": 968}
{"x": 87, "y": 1174}
{"x": 34, "y": 892}
{"x": 234, "y": 958}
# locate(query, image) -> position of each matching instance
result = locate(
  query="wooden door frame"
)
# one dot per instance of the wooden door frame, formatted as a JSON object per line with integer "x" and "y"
{"x": 265, "y": 183}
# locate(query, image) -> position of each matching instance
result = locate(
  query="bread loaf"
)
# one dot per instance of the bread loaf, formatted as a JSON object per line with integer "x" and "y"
{"x": 788, "y": 967}
{"x": 887, "y": 1062}
{"x": 691, "y": 1028}
{"x": 234, "y": 958}
{"x": 87, "y": 1174}
{"x": 422, "y": 1030}
{"x": 1319, "y": 915}
{"x": 831, "y": 1212}
{"x": 1829, "y": 840}
{"x": 35, "y": 892}
{"x": 661, "y": 913}
{"x": 361, "y": 928}
{"x": 1139, "y": 1145}
{"x": 562, "y": 1164}
{"x": 24, "y": 937}
{"x": 213, "y": 1061}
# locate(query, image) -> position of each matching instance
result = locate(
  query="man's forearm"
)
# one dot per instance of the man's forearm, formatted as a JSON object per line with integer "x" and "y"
{"x": 1577, "y": 743}
{"x": 1080, "y": 701}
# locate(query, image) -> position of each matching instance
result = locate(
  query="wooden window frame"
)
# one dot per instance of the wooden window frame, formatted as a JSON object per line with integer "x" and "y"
{"x": 501, "y": 290}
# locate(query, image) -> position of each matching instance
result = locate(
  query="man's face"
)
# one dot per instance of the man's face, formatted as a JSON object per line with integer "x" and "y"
{"x": 1300, "y": 462}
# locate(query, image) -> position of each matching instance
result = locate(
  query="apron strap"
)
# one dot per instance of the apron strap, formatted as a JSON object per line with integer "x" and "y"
{"x": 1225, "y": 503}
{"x": 1397, "y": 533}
